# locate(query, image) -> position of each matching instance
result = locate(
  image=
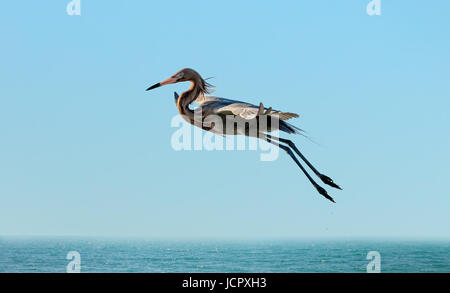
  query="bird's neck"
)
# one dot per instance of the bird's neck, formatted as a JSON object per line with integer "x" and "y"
{"x": 186, "y": 99}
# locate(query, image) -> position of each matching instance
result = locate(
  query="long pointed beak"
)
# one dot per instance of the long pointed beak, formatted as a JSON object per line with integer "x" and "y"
{"x": 164, "y": 82}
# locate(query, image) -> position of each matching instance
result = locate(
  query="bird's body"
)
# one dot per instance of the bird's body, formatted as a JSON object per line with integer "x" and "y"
{"x": 245, "y": 111}
{"x": 238, "y": 110}
{"x": 213, "y": 111}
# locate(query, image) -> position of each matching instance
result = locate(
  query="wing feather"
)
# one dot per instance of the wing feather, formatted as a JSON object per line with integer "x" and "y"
{"x": 238, "y": 108}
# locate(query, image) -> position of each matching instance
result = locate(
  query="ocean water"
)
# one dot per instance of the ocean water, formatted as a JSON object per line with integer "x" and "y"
{"x": 120, "y": 255}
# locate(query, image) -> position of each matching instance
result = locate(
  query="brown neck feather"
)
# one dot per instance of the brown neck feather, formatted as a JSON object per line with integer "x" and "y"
{"x": 198, "y": 87}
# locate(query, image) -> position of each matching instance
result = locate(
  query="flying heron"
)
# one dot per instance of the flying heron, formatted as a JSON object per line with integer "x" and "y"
{"x": 209, "y": 105}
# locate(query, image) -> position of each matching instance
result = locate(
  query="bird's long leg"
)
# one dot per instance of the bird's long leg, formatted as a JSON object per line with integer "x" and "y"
{"x": 325, "y": 179}
{"x": 319, "y": 188}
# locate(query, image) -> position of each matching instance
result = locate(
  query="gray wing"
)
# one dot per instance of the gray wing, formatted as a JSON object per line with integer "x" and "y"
{"x": 216, "y": 105}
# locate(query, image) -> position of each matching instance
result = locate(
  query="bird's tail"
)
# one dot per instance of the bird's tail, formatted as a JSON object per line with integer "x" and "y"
{"x": 289, "y": 128}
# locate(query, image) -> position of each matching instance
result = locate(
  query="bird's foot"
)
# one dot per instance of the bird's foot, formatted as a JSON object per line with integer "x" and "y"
{"x": 322, "y": 191}
{"x": 327, "y": 180}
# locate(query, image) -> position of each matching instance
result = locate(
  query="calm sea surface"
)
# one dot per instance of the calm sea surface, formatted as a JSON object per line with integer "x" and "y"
{"x": 49, "y": 255}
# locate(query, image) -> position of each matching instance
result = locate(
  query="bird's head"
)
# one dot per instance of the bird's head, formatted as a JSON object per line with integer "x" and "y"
{"x": 186, "y": 74}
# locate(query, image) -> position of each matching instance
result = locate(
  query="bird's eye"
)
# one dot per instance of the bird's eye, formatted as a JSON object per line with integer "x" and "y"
{"x": 180, "y": 75}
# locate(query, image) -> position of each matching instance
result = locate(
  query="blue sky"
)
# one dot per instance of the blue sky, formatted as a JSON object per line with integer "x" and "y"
{"x": 86, "y": 151}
